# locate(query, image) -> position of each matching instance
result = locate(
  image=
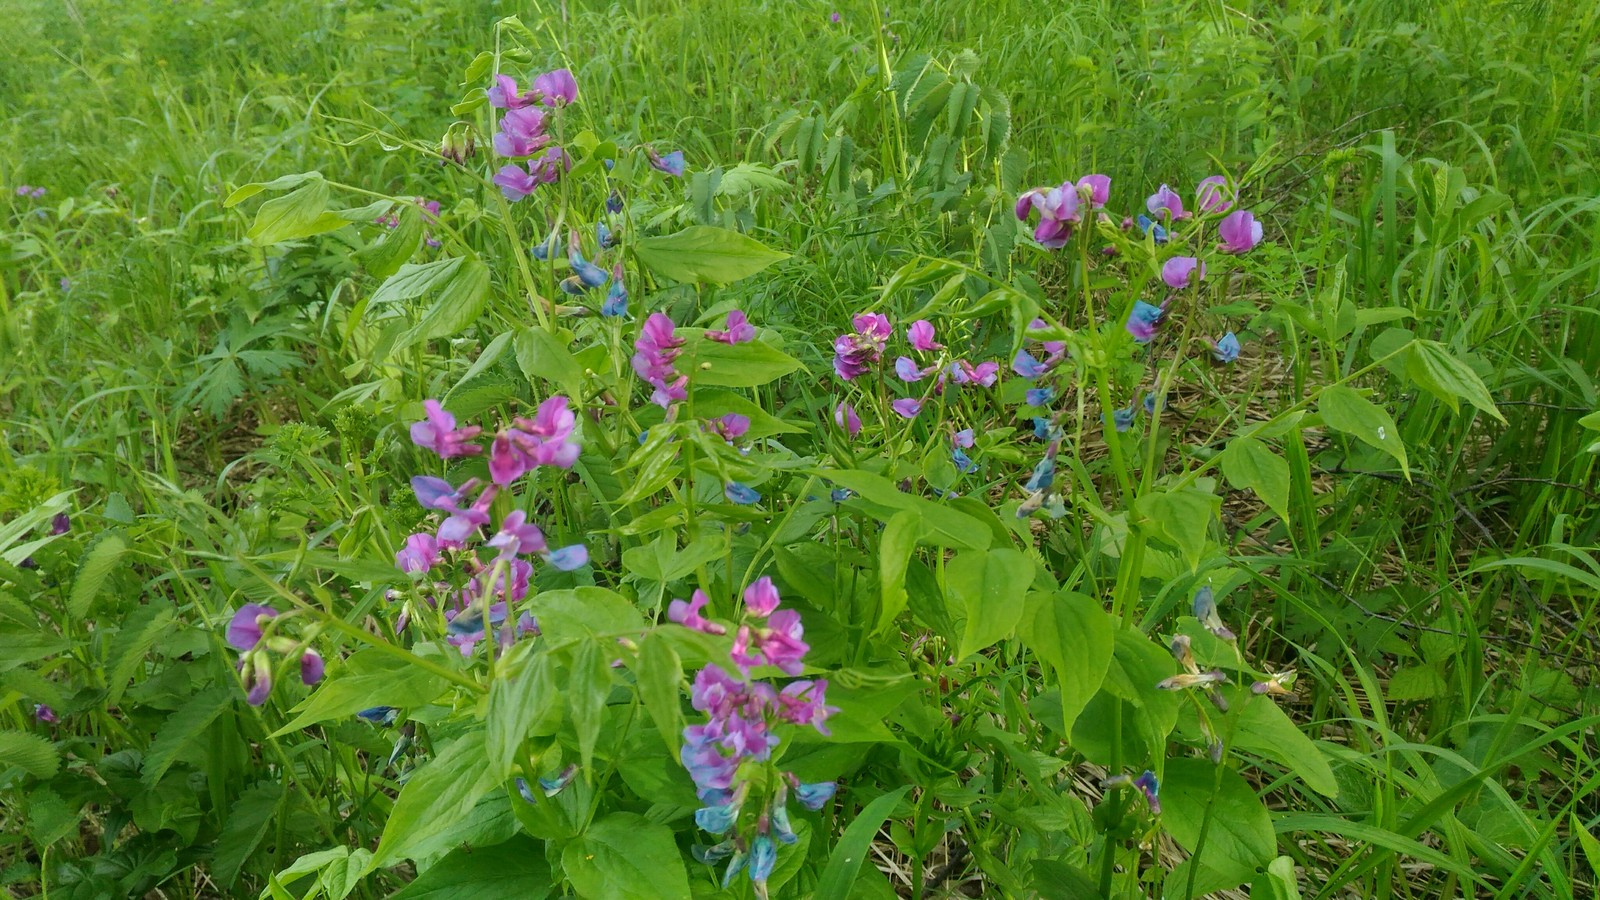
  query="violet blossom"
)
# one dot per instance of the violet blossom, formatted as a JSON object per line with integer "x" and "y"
{"x": 438, "y": 432}
{"x": 656, "y": 350}
{"x": 861, "y": 349}
{"x": 739, "y": 330}
{"x": 1240, "y": 232}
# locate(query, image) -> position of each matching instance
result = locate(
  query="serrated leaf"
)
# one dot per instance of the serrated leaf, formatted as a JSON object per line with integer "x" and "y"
{"x": 1250, "y": 464}
{"x": 249, "y": 817}
{"x": 184, "y": 727}
{"x": 140, "y": 631}
{"x": 97, "y": 566}
{"x": 28, "y": 752}
{"x": 1347, "y": 411}
{"x": 705, "y": 253}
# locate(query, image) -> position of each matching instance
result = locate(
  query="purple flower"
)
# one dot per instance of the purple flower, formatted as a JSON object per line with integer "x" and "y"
{"x": 1166, "y": 202}
{"x": 907, "y": 407}
{"x": 1178, "y": 271}
{"x": 43, "y": 713}
{"x": 741, "y": 493}
{"x": 861, "y": 349}
{"x": 1240, "y": 232}
{"x": 1213, "y": 196}
{"x": 556, "y": 88}
{"x": 1143, "y": 319}
{"x": 522, "y": 132}
{"x": 311, "y": 667}
{"x": 437, "y": 494}
{"x": 420, "y": 554}
{"x": 545, "y": 440}
{"x": 504, "y": 94}
{"x": 739, "y": 330}
{"x": 657, "y": 348}
{"x": 984, "y": 374}
{"x": 920, "y": 334}
{"x": 1227, "y": 348}
{"x": 28, "y": 190}
{"x": 1040, "y": 396}
{"x": 438, "y": 433}
{"x": 963, "y": 438}
{"x": 60, "y": 524}
{"x": 844, "y": 415}
{"x": 518, "y": 537}
{"x": 761, "y": 598}
{"x": 549, "y": 168}
{"x": 244, "y": 629}
{"x": 256, "y": 670}
{"x": 730, "y": 426}
{"x": 616, "y": 303}
{"x": 835, "y": 18}
{"x": 1151, "y": 788}
{"x": 688, "y": 615}
{"x": 805, "y": 703}
{"x": 1026, "y": 365}
{"x": 671, "y": 164}
{"x": 1096, "y": 189}
{"x": 906, "y": 368}
{"x": 1059, "y": 208}
{"x": 567, "y": 559}
{"x": 779, "y": 644}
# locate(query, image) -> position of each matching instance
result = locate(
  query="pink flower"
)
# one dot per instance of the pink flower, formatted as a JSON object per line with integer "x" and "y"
{"x": 504, "y": 94}
{"x": 420, "y": 554}
{"x": 688, "y": 615}
{"x": 1166, "y": 201}
{"x": 1240, "y": 232}
{"x": 761, "y": 598}
{"x": 1213, "y": 196}
{"x": 844, "y": 415}
{"x": 920, "y": 334}
{"x": 438, "y": 433}
{"x": 984, "y": 373}
{"x": 779, "y": 644}
{"x": 1059, "y": 208}
{"x": 557, "y": 87}
{"x": 311, "y": 666}
{"x": 244, "y": 629}
{"x": 730, "y": 426}
{"x": 1096, "y": 188}
{"x": 858, "y": 351}
{"x": 1178, "y": 271}
{"x": 907, "y": 407}
{"x": 739, "y": 330}
{"x": 657, "y": 348}
{"x": 521, "y": 132}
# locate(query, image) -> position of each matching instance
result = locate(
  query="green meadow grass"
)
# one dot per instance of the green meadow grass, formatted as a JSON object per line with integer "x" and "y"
{"x": 1439, "y": 160}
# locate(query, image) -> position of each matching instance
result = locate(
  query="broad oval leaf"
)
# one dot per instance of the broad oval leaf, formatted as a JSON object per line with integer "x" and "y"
{"x": 705, "y": 253}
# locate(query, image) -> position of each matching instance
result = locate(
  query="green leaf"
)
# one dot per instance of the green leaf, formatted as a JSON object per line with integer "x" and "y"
{"x": 298, "y": 214}
{"x": 749, "y": 364}
{"x": 183, "y": 728}
{"x": 711, "y": 404}
{"x": 1182, "y": 518}
{"x": 1277, "y": 882}
{"x": 941, "y": 525}
{"x": 1590, "y": 845}
{"x": 522, "y": 689}
{"x": 1431, "y": 365}
{"x": 845, "y": 863}
{"x": 989, "y": 589}
{"x": 660, "y": 682}
{"x": 588, "y": 685}
{"x": 281, "y": 183}
{"x": 460, "y": 302}
{"x": 413, "y": 280}
{"x": 516, "y": 868}
{"x": 97, "y": 566}
{"x": 249, "y": 817}
{"x": 626, "y": 857}
{"x": 585, "y": 612}
{"x": 369, "y": 678}
{"x": 28, "y": 752}
{"x": 1074, "y": 636}
{"x": 1240, "y": 836}
{"x": 1251, "y": 464}
{"x": 543, "y": 355}
{"x": 705, "y": 253}
{"x": 894, "y": 553}
{"x": 1345, "y": 410}
{"x": 385, "y": 257}
{"x": 49, "y": 818}
{"x": 1265, "y": 730}
{"x": 438, "y": 795}
{"x": 139, "y": 632}
{"x": 1054, "y": 879}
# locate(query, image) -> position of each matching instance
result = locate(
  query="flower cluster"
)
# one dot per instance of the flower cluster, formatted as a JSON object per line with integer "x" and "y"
{"x": 253, "y": 632}
{"x": 657, "y": 348}
{"x": 861, "y": 349}
{"x": 430, "y": 213}
{"x": 1062, "y": 207}
{"x": 729, "y": 757}
{"x": 524, "y": 131}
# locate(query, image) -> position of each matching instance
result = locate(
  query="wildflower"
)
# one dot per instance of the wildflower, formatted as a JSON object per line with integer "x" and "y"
{"x": 964, "y": 463}
{"x": 311, "y": 667}
{"x": 730, "y": 426}
{"x": 1151, "y": 788}
{"x": 378, "y": 715}
{"x": 1151, "y": 401}
{"x": 590, "y": 274}
{"x": 420, "y": 554}
{"x": 438, "y": 433}
{"x": 1227, "y": 348}
{"x": 739, "y": 330}
{"x": 60, "y": 524}
{"x": 778, "y": 644}
{"x": 30, "y": 191}
{"x": 614, "y": 202}
{"x": 741, "y": 493}
{"x": 761, "y": 597}
{"x": 1143, "y": 319}
{"x": 1044, "y": 475}
{"x": 514, "y": 182}
{"x": 544, "y": 440}
{"x": 1155, "y": 229}
{"x": 43, "y": 713}
{"x": 504, "y": 94}
{"x": 907, "y": 407}
{"x": 835, "y": 18}
{"x": 1122, "y": 419}
{"x": 688, "y": 614}
{"x": 1280, "y": 684}
{"x": 657, "y": 348}
{"x": 603, "y": 238}
{"x": 907, "y": 370}
{"x": 543, "y": 250}
{"x": 616, "y": 303}
{"x": 1204, "y": 607}
{"x": 549, "y": 168}
{"x": 963, "y": 438}
{"x": 844, "y": 415}
{"x": 1240, "y": 232}
{"x": 437, "y": 494}
{"x": 556, "y": 88}
{"x": 255, "y": 668}
{"x": 1184, "y": 680}
{"x": 1096, "y": 189}
{"x": 984, "y": 374}
{"x": 1165, "y": 203}
{"x": 1178, "y": 271}
{"x": 671, "y": 164}
{"x": 920, "y": 334}
{"x": 1059, "y": 208}
{"x": 1039, "y": 396}
{"x": 244, "y": 629}
{"x": 814, "y": 796}
{"x": 1027, "y": 365}
{"x": 522, "y": 133}
{"x": 1213, "y": 196}
{"x": 862, "y": 348}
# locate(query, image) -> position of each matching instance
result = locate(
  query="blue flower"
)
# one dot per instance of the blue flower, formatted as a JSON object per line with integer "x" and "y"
{"x": 542, "y": 251}
{"x": 742, "y": 494}
{"x": 1227, "y": 348}
{"x": 1147, "y": 783}
{"x": 603, "y": 236}
{"x": 614, "y": 200}
{"x": 1027, "y": 366}
{"x": 616, "y": 302}
{"x": 840, "y": 495}
{"x": 1044, "y": 474}
{"x": 1154, "y": 228}
{"x": 812, "y": 796}
{"x": 1040, "y": 396}
{"x": 763, "y": 853}
{"x": 963, "y": 461}
{"x": 716, "y": 819}
{"x": 1150, "y": 403}
{"x": 587, "y": 272}
{"x": 379, "y": 715}
{"x": 781, "y": 829}
{"x": 1142, "y": 321}
{"x": 1122, "y": 418}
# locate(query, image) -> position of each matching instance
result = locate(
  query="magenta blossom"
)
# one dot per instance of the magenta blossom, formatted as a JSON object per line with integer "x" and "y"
{"x": 256, "y": 670}
{"x": 688, "y": 614}
{"x": 549, "y": 168}
{"x": 437, "y": 494}
{"x": 730, "y": 426}
{"x": 858, "y": 351}
{"x": 438, "y": 433}
{"x": 761, "y": 598}
{"x": 556, "y": 88}
{"x": 1212, "y": 195}
{"x": 920, "y": 334}
{"x": 544, "y": 440}
{"x": 805, "y": 703}
{"x": 907, "y": 407}
{"x": 1240, "y": 232}
{"x": 1166, "y": 202}
{"x": 43, "y": 713}
{"x": 1179, "y": 271}
{"x": 522, "y": 132}
{"x": 844, "y": 415}
{"x": 1096, "y": 189}
{"x": 504, "y": 94}
{"x": 244, "y": 629}
{"x": 739, "y": 330}
{"x": 984, "y": 374}
{"x": 1059, "y": 208}
{"x": 311, "y": 667}
{"x": 778, "y": 644}
{"x": 657, "y": 348}
{"x": 906, "y": 368}
{"x": 514, "y": 182}
{"x": 420, "y": 554}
